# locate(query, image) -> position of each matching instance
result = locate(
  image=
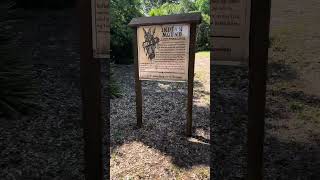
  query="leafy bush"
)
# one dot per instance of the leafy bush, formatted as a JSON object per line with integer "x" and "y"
{"x": 148, "y": 5}
{"x": 122, "y": 11}
{"x": 203, "y": 34}
{"x": 166, "y": 9}
{"x": 183, "y": 6}
{"x": 187, "y": 6}
{"x": 203, "y": 6}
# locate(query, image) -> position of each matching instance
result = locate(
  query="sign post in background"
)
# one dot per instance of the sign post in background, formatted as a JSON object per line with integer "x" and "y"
{"x": 94, "y": 44}
{"x": 192, "y": 48}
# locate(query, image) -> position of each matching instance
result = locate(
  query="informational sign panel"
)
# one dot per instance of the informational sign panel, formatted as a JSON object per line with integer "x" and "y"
{"x": 100, "y": 28}
{"x": 230, "y": 30}
{"x": 163, "y": 52}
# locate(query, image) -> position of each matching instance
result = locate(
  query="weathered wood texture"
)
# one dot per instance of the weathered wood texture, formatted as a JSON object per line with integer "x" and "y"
{"x": 258, "y": 60}
{"x": 193, "y": 28}
{"x": 138, "y": 88}
{"x": 91, "y": 96}
{"x": 229, "y": 35}
{"x": 101, "y": 28}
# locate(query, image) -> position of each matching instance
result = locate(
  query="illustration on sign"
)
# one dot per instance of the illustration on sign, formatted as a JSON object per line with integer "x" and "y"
{"x": 150, "y": 43}
{"x": 163, "y": 52}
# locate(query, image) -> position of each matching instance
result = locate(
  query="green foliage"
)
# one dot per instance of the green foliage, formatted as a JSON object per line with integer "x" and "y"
{"x": 122, "y": 11}
{"x": 188, "y": 6}
{"x": 166, "y": 9}
{"x": 17, "y": 87}
{"x": 203, "y": 34}
{"x": 183, "y": 6}
{"x": 114, "y": 87}
{"x": 203, "y": 6}
{"x": 148, "y": 5}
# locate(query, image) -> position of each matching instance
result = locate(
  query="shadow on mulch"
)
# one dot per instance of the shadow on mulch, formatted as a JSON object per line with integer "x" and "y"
{"x": 299, "y": 96}
{"x": 281, "y": 72}
{"x": 184, "y": 152}
{"x": 228, "y": 121}
{"x": 291, "y": 160}
{"x": 166, "y": 133}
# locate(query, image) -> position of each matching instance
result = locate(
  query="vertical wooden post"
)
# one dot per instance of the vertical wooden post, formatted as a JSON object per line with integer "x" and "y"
{"x": 91, "y": 101}
{"x": 137, "y": 81}
{"x": 190, "y": 78}
{"x": 258, "y": 60}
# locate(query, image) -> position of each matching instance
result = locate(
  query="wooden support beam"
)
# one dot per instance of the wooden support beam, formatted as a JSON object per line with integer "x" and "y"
{"x": 138, "y": 88}
{"x": 91, "y": 97}
{"x": 193, "y": 28}
{"x": 258, "y": 61}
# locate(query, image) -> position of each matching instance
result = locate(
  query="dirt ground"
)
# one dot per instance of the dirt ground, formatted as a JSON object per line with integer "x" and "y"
{"x": 293, "y": 102}
{"x": 292, "y": 130}
{"x": 160, "y": 150}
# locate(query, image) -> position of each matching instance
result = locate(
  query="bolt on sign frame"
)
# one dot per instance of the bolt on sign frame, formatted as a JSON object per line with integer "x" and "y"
{"x": 164, "y": 50}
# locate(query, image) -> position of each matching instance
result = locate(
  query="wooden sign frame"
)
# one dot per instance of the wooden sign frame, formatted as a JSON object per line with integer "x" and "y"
{"x": 192, "y": 19}
{"x": 100, "y": 28}
{"x": 231, "y": 38}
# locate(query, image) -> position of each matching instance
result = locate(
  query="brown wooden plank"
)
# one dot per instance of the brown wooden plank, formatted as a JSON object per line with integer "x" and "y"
{"x": 137, "y": 81}
{"x": 91, "y": 97}
{"x": 193, "y": 28}
{"x": 258, "y": 60}
{"x": 230, "y": 37}
{"x": 194, "y": 18}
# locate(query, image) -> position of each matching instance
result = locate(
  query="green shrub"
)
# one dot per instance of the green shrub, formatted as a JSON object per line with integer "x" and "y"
{"x": 187, "y": 6}
{"x": 203, "y": 34}
{"x": 167, "y": 9}
{"x": 203, "y": 6}
{"x": 122, "y": 11}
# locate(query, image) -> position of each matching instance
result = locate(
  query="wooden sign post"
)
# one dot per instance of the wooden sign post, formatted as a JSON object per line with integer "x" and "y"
{"x": 94, "y": 45}
{"x": 258, "y": 61}
{"x": 164, "y": 50}
{"x": 240, "y": 34}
